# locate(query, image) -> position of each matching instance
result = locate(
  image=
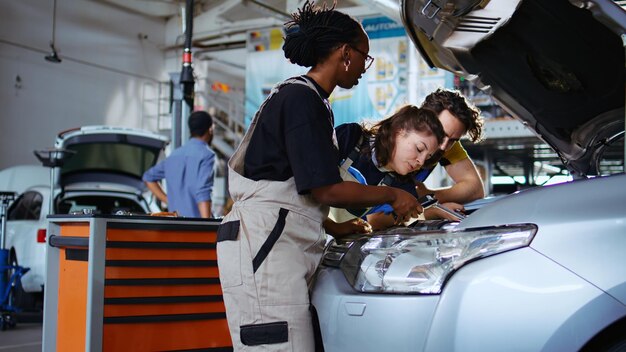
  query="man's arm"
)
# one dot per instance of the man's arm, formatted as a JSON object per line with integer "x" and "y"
{"x": 467, "y": 184}
{"x": 204, "y": 186}
{"x": 156, "y": 189}
{"x": 349, "y": 194}
{"x": 152, "y": 177}
{"x": 205, "y": 209}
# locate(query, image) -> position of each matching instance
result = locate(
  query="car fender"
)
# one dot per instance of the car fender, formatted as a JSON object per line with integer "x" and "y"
{"x": 521, "y": 293}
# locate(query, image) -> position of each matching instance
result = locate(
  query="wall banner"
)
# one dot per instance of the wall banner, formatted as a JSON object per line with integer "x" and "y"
{"x": 381, "y": 90}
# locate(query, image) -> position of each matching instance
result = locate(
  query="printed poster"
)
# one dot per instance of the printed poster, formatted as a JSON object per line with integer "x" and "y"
{"x": 381, "y": 90}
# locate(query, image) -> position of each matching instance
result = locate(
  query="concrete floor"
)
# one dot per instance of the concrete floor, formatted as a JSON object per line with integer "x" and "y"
{"x": 25, "y": 337}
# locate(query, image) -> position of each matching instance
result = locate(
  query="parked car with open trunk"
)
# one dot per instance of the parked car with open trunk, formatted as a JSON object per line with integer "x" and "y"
{"x": 103, "y": 175}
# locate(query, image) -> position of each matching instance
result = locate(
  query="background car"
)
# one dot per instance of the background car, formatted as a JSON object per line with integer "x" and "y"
{"x": 539, "y": 270}
{"x": 20, "y": 177}
{"x": 102, "y": 177}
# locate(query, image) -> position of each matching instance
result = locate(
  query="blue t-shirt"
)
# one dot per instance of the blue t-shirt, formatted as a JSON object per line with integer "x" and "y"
{"x": 189, "y": 175}
{"x": 348, "y": 136}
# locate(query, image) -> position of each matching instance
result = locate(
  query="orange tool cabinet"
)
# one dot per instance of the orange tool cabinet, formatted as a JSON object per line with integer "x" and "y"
{"x": 133, "y": 283}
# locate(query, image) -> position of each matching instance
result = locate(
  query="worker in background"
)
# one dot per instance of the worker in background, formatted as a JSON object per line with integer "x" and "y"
{"x": 283, "y": 178}
{"x": 188, "y": 171}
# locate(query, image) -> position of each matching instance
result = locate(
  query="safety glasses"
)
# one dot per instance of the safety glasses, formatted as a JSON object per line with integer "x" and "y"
{"x": 368, "y": 59}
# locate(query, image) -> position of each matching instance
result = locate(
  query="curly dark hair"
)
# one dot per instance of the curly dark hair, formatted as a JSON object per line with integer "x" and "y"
{"x": 315, "y": 31}
{"x": 457, "y": 105}
{"x": 409, "y": 118}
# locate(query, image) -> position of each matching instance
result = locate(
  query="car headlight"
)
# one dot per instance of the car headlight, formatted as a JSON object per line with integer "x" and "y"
{"x": 403, "y": 261}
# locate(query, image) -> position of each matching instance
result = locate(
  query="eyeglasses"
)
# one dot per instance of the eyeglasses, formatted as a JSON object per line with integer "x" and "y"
{"x": 368, "y": 59}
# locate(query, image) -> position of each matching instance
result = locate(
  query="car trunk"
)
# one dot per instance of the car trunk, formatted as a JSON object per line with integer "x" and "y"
{"x": 117, "y": 158}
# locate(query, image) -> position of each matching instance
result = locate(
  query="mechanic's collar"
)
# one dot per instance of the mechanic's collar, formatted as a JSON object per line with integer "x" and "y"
{"x": 374, "y": 160}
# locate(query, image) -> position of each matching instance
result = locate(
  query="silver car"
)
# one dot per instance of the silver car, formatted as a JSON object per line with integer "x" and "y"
{"x": 540, "y": 270}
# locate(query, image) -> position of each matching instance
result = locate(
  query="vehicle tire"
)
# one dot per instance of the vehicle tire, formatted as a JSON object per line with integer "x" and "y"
{"x": 18, "y": 298}
{"x": 618, "y": 346}
{"x": 611, "y": 339}
{"x": 615, "y": 345}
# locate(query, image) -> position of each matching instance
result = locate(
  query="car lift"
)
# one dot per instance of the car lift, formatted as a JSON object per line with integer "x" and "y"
{"x": 7, "y": 311}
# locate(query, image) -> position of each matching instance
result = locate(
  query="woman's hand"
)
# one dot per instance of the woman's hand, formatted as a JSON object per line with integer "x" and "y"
{"x": 421, "y": 189}
{"x": 405, "y": 205}
{"x": 340, "y": 229}
{"x": 380, "y": 221}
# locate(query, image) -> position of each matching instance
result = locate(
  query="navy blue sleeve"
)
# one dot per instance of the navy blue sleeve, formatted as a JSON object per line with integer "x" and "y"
{"x": 308, "y": 140}
{"x": 348, "y": 135}
{"x": 407, "y": 186}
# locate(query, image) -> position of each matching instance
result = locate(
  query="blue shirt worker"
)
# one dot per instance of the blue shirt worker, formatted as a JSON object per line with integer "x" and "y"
{"x": 188, "y": 171}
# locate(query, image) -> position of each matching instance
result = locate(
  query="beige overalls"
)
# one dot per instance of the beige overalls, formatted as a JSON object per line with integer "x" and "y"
{"x": 269, "y": 246}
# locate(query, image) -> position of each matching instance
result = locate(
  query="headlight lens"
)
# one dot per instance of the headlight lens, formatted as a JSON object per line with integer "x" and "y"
{"x": 420, "y": 263}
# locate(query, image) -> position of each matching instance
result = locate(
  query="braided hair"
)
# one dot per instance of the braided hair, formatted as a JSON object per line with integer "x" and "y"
{"x": 457, "y": 105}
{"x": 314, "y": 32}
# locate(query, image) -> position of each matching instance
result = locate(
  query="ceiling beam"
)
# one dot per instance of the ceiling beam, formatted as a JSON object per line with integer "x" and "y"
{"x": 227, "y": 33}
{"x": 151, "y": 9}
{"x": 266, "y": 9}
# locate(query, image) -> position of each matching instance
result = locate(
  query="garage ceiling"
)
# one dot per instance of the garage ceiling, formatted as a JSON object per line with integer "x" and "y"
{"x": 229, "y": 10}
{"x": 220, "y": 23}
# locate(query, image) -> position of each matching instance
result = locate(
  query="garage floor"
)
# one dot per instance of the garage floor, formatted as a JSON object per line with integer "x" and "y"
{"x": 25, "y": 337}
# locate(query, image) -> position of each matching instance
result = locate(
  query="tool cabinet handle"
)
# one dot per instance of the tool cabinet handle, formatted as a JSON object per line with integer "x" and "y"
{"x": 68, "y": 241}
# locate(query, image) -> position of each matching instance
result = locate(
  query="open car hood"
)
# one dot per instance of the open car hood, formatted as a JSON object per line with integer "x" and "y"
{"x": 110, "y": 155}
{"x": 556, "y": 65}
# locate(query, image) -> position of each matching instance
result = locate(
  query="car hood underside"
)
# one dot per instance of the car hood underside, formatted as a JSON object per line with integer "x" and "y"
{"x": 557, "y": 65}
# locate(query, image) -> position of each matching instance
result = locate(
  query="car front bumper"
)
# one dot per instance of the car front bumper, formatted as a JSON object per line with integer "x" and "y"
{"x": 517, "y": 300}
